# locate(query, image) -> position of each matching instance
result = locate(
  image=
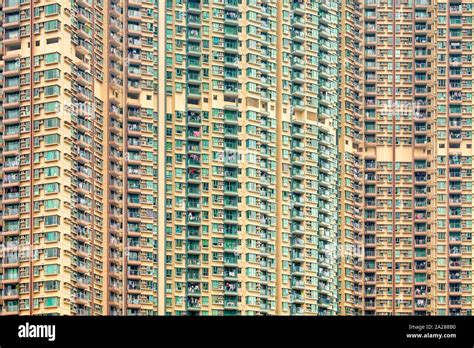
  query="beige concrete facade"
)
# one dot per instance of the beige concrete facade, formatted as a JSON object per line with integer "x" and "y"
{"x": 79, "y": 189}
{"x": 251, "y": 158}
{"x": 411, "y": 126}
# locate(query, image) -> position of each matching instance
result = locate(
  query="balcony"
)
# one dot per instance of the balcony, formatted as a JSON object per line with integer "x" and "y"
{"x": 299, "y": 7}
{"x": 231, "y": 5}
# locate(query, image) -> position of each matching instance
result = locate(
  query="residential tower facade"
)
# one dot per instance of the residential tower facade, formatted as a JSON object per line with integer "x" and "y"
{"x": 236, "y": 157}
{"x": 79, "y": 155}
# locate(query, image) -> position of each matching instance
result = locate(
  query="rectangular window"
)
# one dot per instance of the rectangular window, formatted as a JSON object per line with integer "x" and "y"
{"x": 12, "y": 65}
{"x": 51, "y": 155}
{"x": 51, "y": 188}
{"x": 51, "y": 285}
{"x": 51, "y": 236}
{"x": 51, "y": 301}
{"x": 51, "y": 171}
{"x": 51, "y": 9}
{"x": 51, "y": 123}
{"x": 51, "y": 204}
{"x": 51, "y": 269}
{"x": 50, "y": 253}
{"x": 51, "y": 90}
{"x": 51, "y": 220}
{"x": 51, "y": 74}
{"x": 51, "y": 139}
{"x": 51, "y": 58}
{"x": 51, "y": 25}
{"x": 51, "y": 106}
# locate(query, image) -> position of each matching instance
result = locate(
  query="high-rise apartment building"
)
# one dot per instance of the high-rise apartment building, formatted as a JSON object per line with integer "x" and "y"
{"x": 452, "y": 289}
{"x": 236, "y": 157}
{"x": 79, "y": 153}
{"x": 406, "y": 140}
{"x": 251, "y": 117}
{"x": 391, "y": 159}
{"x": 351, "y": 148}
